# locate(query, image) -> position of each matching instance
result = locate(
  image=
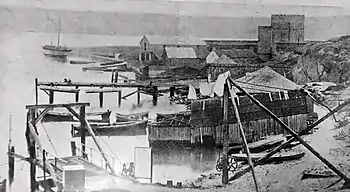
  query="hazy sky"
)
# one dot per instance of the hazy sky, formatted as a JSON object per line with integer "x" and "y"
{"x": 193, "y": 7}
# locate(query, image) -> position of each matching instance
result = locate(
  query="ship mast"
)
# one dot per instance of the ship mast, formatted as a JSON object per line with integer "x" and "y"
{"x": 59, "y": 31}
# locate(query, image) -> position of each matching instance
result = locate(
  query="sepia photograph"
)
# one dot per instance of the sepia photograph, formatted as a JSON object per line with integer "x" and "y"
{"x": 174, "y": 95}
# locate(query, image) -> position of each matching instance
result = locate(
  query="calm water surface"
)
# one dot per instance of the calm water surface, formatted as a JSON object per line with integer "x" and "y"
{"x": 21, "y": 61}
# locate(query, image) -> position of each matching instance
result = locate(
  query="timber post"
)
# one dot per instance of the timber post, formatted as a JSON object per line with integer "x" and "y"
{"x": 119, "y": 98}
{"x": 244, "y": 140}
{"x": 77, "y": 95}
{"x": 83, "y": 130}
{"x": 73, "y": 148}
{"x": 44, "y": 167}
{"x": 32, "y": 151}
{"x": 51, "y": 96}
{"x": 225, "y": 136}
{"x": 138, "y": 96}
{"x": 101, "y": 99}
{"x": 295, "y": 135}
{"x": 172, "y": 91}
{"x": 155, "y": 95}
{"x": 116, "y": 76}
{"x": 112, "y": 76}
{"x": 36, "y": 91}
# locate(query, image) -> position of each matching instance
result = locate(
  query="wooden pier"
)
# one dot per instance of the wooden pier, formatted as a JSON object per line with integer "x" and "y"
{"x": 149, "y": 87}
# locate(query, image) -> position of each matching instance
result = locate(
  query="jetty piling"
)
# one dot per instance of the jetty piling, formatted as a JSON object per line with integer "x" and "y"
{"x": 73, "y": 148}
{"x": 77, "y": 95}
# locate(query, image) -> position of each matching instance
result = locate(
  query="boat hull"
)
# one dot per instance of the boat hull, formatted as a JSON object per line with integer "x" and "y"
{"x": 118, "y": 129}
{"x": 56, "y": 53}
{"x": 67, "y": 117}
{"x": 275, "y": 158}
{"x": 131, "y": 117}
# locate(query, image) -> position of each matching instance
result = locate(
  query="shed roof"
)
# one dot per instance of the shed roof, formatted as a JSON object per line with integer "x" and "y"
{"x": 174, "y": 40}
{"x": 237, "y": 53}
{"x": 223, "y": 59}
{"x": 180, "y": 52}
{"x": 266, "y": 80}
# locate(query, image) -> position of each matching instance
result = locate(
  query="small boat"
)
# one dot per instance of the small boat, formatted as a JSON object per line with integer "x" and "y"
{"x": 130, "y": 128}
{"x": 53, "y": 116}
{"x": 131, "y": 117}
{"x": 56, "y": 50}
{"x": 265, "y": 144}
{"x": 279, "y": 157}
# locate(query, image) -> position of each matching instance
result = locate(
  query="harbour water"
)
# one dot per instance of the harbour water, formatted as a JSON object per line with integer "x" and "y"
{"x": 21, "y": 61}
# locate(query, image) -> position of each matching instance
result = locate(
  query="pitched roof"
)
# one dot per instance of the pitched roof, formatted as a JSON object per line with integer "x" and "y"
{"x": 180, "y": 52}
{"x": 266, "y": 80}
{"x": 223, "y": 59}
{"x": 174, "y": 40}
{"x": 237, "y": 53}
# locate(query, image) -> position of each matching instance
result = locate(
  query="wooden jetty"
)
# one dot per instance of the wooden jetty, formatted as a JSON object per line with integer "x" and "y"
{"x": 146, "y": 87}
{"x": 130, "y": 128}
{"x": 55, "y": 169}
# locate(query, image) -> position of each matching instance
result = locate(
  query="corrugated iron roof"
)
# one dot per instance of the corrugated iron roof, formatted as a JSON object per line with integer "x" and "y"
{"x": 180, "y": 52}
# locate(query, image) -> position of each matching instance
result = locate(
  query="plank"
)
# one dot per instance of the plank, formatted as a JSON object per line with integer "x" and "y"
{"x": 56, "y": 105}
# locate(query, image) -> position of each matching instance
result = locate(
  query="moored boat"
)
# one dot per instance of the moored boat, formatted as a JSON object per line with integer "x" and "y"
{"x": 53, "y": 116}
{"x": 131, "y": 117}
{"x": 279, "y": 157}
{"x": 130, "y": 128}
{"x": 56, "y": 50}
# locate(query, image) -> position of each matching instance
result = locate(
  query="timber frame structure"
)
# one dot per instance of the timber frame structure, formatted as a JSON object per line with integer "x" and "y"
{"x": 231, "y": 83}
{"x": 34, "y": 143}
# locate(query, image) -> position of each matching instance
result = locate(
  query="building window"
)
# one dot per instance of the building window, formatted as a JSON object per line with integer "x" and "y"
{"x": 145, "y": 46}
{"x": 142, "y": 56}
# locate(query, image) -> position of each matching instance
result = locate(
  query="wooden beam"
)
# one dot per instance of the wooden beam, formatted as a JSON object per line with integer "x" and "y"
{"x": 111, "y": 90}
{"x": 283, "y": 145}
{"x": 100, "y": 96}
{"x": 119, "y": 99}
{"x": 82, "y": 130}
{"x": 226, "y": 138}
{"x": 59, "y": 89}
{"x": 51, "y": 97}
{"x": 135, "y": 85}
{"x": 77, "y": 95}
{"x": 36, "y": 91}
{"x": 91, "y": 132}
{"x": 138, "y": 97}
{"x": 56, "y": 105}
{"x": 38, "y": 143}
{"x": 294, "y": 134}
{"x": 130, "y": 94}
{"x": 42, "y": 114}
{"x": 243, "y": 137}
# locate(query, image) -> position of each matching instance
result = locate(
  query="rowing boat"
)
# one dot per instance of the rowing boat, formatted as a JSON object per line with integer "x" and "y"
{"x": 131, "y": 128}
{"x": 279, "y": 157}
{"x": 53, "y": 116}
{"x": 131, "y": 117}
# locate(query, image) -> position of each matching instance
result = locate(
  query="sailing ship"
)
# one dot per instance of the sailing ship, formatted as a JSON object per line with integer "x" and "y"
{"x": 56, "y": 50}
